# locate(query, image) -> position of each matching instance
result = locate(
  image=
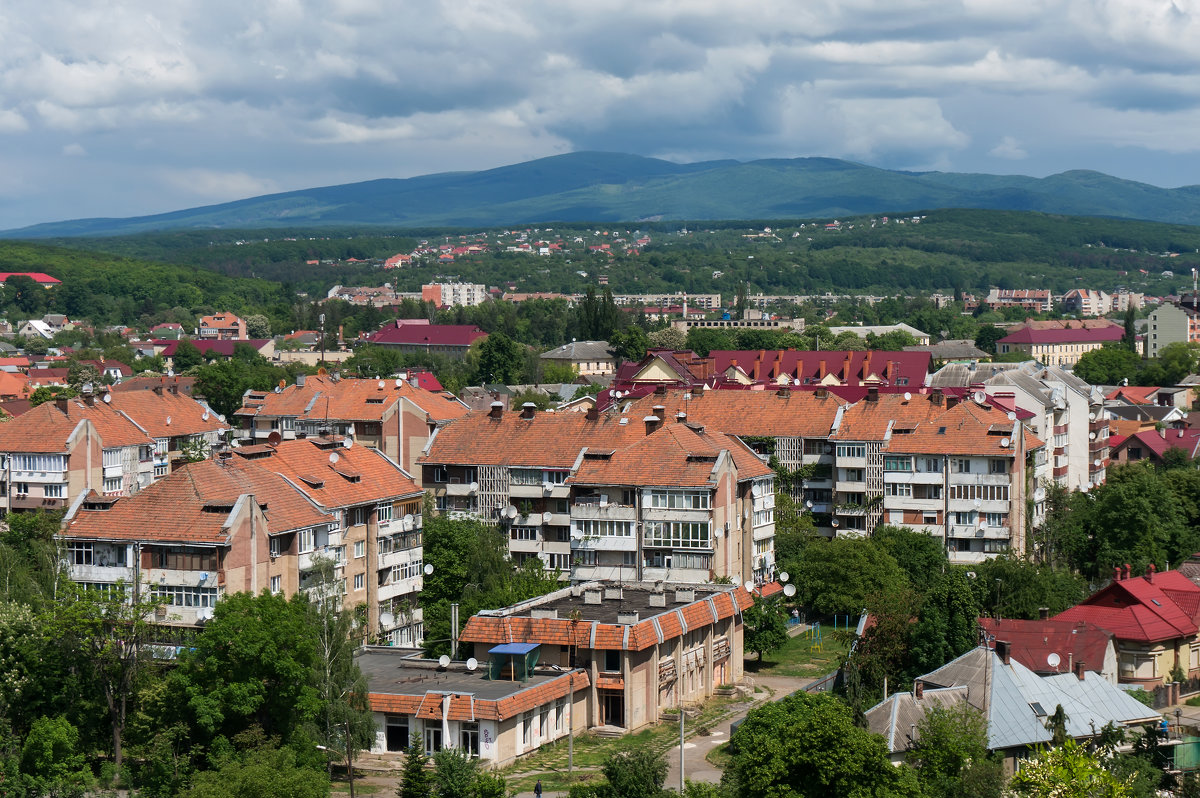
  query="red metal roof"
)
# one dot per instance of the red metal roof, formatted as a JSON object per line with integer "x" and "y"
{"x": 1142, "y": 609}
{"x": 406, "y": 331}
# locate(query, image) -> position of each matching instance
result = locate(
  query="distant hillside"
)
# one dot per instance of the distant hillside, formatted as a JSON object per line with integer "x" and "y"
{"x": 590, "y": 186}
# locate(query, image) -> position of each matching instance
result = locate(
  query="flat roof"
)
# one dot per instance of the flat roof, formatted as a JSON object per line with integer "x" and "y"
{"x": 633, "y": 597}
{"x": 397, "y": 672}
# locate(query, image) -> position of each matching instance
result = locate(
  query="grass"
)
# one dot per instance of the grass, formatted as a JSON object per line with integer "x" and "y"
{"x": 549, "y": 763}
{"x": 360, "y": 787}
{"x": 802, "y": 658}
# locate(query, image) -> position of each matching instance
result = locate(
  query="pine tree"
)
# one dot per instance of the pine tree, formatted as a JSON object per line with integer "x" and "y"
{"x": 415, "y": 780}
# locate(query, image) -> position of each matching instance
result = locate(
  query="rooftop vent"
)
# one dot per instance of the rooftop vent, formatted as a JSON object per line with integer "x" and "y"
{"x": 542, "y": 612}
{"x": 685, "y": 596}
{"x": 627, "y": 617}
{"x": 591, "y": 596}
{"x": 658, "y": 599}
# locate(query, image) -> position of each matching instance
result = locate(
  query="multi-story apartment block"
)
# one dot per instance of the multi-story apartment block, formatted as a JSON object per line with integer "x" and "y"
{"x": 377, "y": 506}
{"x": 1090, "y": 302}
{"x": 393, "y": 415}
{"x": 566, "y": 489}
{"x": 448, "y": 294}
{"x": 179, "y": 425}
{"x": 1172, "y": 323}
{"x": 1060, "y": 343}
{"x": 222, "y": 327}
{"x": 208, "y": 529}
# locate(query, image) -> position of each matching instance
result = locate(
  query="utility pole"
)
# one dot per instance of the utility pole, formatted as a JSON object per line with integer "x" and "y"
{"x": 322, "y": 317}
{"x": 681, "y": 742}
{"x": 454, "y": 631}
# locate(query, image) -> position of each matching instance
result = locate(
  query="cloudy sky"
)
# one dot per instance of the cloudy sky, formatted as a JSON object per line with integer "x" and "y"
{"x": 132, "y": 107}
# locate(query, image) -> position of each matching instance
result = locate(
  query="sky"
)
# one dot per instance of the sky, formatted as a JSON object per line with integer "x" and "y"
{"x": 136, "y": 107}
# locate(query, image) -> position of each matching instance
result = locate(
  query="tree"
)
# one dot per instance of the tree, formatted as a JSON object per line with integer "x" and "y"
{"x": 51, "y": 761}
{"x": 187, "y": 356}
{"x": 106, "y": 632}
{"x": 414, "y": 779}
{"x": 1109, "y": 365}
{"x": 262, "y": 771}
{"x": 987, "y": 336}
{"x": 1067, "y": 771}
{"x": 630, "y": 343}
{"x": 921, "y": 556}
{"x": 946, "y": 626}
{"x": 766, "y": 626}
{"x": 500, "y": 360}
{"x": 807, "y": 745}
{"x": 634, "y": 773}
{"x": 840, "y": 575}
{"x": 454, "y": 773}
{"x": 25, "y": 293}
{"x": 1129, "y": 337}
{"x": 46, "y": 393}
{"x": 951, "y": 751}
{"x": 559, "y": 372}
{"x": 258, "y": 326}
{"x": 668, "y": 338}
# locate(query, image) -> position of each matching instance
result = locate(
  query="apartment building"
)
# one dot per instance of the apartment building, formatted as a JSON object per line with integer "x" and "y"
{"x": 1060, "y": 343}
{"x": 377, "y": 544}
{"x": 1171, "y": 323}
{"x": 1090, "y": 302}
{"x": 393, "y": 415}
{"x": 222, "y": 327}
{"x": 178, "y": 424}
{"x": 444, "y": 295}
{"x": 645, "y": 647}
{"x": 565, "y": 488}
{"x": 208, "y": 529}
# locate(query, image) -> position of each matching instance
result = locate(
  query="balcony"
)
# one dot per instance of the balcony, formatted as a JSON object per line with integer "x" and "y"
{"x": 969, "y": 557}
{"x": 40, "y": 477}
{"x": 981, "y": 533}
{"x": 462, "y": 488}
{"x": 401, "y": 587}
{"x": 979, "y": 479}
{"x": 663, "y": 514}
{"x": 21, "y": 501}
{"x": 603, "y": 512}
{"x": 102, "y": 573}
{"x": 556, "y": 491}
{"x": 613, "y": 543}
{"x": 526, "y": 491}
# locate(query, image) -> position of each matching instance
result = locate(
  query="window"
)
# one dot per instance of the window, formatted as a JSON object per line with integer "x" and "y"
{"x": 275, "y": 546}
{"x": 54, "y": 491}
{"x": 182, "y": 559}
{"x": 469, "y": 738}
{"x": 160, "y": 471}
{"x": 814, "y": 446}
{"x": 80, "y": 553}
{"x": 555, "y": 477}
{"x": 765, "y": 516}
{"x": 629, "y": 558}
{"x": 612, "y": 659}
{"x": 397, "y": 733}
{"x": 964, "y": 519}
{"x": 433, "y": 740}
{"x": 585, "y": 556}
{"x": 307, "y": 540}
{"x": 357, "y": 516}
{"x": 360, "y": 549}
{"x": 384, "y": 513}
{"x": 993, "y": 519}
{"x": 560, "y": 710}
{"x": 525, "y": 476}
{"x": 679, "y": 499}
{"x": 41, "y": 462}
{"x": 113, "y": 484}
{"x": 559, "y": 562}
{"x": 527, "y": 729}
{"x": 893, "y": 463}
{"x": 932, "y": 465}
{"x": 605, "y": 529}
{"x": 851, "y": 450}
{"x": 962, "y": 465}
{"x": 276, "y": 584}
{"x": 997, "y": 466}
{"x": 678, "y": 534}
{"x": 897, "y": 489}
{"x": 359, "y": 581}
{"x": 21, "y": 488}
{"x": 186, "y": 596}
{"x": 851, "y": 474}
{"x": 112, "y": 458}
{"x": 524, "y": 533}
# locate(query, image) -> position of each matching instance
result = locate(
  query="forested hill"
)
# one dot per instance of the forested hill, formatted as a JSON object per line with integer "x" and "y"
{"x": 606, "y": 187}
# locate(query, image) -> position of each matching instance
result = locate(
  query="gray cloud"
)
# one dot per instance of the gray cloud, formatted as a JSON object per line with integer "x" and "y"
{"x": 179, "y": 103}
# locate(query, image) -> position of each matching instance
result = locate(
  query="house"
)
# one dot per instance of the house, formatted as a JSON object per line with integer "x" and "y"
{"x": 209, "y": 529}
{"x": 645, "y": 646}
{"x": 1060, "y": 343}
{"x": 1153, "y": 620}
{"x": 1048, "y": 647}
{"x": 586, "y": 357}
{"x": 1015, "y": 702}
{"x": 1153, "y": 444}
{"x": 222, "y": 327}
{"x": 166, "y": 330}
{"x": 41, "y": 278}
{"x": 35, "y": 328}
{"x": 862, "y": 331}
{"x": 377, "y": 542}
{"x": 393, "y": 416}
{"x": 418, "y": 335}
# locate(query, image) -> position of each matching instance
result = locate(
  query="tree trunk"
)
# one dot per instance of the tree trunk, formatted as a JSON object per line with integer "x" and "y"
{"x": 350, "y": 758}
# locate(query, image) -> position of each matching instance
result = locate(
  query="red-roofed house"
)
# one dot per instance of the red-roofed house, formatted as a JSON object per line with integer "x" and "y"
{"x": 1152, "y": 445}
{"x": 1060, "y": 343}
{"x": 41, "y": 278}
{"x": 1047, "y": 646}
{"x": 222, "y": 327}
{"x": 418, "y": 335}
{"x": 1153, "y": 620}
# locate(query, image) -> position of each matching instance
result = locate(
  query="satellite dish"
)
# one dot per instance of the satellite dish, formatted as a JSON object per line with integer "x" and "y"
{"x": 1053, "y": 660}
{"x": 399, "y": 383}
{"x": 408, "y": 520}
{"x": 510, "y": 511}
{"x": 749, "y": 586}
{"x": 278, "y": 389}
{"x": 386, "y": 619}
{"x": 980, "y": 397}
{"x": 1004, "y": 442}
{"x": 443, "y": 661}
{"x": 907, "y": 396}
{"x": 168, "y": 421}
{"x": 789, "y": 590}
{"x": 333, "y": 457}
{"x": 1091, "y": 416}
{"x": 108, "y": 400}
{"x": 203, "y": 417}
{"x": 783, "y": 577}
{"x": 472, "y": 664}
{"x": 274, "y": 438}
{"x": 428, "y": 569}
{"x": 1096, "y": 463}
{"x": 978, "y": 502}
{"x": 347, "y": 443}
{"x": 221, "y": 419}
{"x": 834, "y": 523}
{"x": 797, "y": 382}
{"x": 545, "y": 518}
{"x": 381, "y": 385}
{"x": 1091, "y": 436}
{"x": 756, "y": 489}
{"x": 1012, "y": 416}
{"x": 474, "y": 486}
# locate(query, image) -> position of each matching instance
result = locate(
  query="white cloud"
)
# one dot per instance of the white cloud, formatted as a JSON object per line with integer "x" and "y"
{"x": 12, "y": 121}
{"x": 1010, "y": 149}
{"x": 74, "y": 150}
{"x": 212, "y": 185}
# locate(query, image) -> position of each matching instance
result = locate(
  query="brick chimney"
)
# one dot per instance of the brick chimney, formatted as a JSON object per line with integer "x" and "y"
{"x": 873, "y": 393}
{"x": 918, "y": 689}
{"x": 1080, "y": 670}
{"x": 1125, "y": 571}
{"x": 593, "y": 413}
{"x": 821, "y": 393}
{"x": 1116, "y": 573}
{"x": 652, "y": 423}
{"x": 496, "y": 410}
{"x": 937, "y": 397}
{"x": 1044, "y": 613}
{"x": 660, "y": 411}
{"x": 61, "y": 403}
{"x": 528, "y": 409}
{"x": 1150, "y": 569}
{"x": 1002, "y": 650}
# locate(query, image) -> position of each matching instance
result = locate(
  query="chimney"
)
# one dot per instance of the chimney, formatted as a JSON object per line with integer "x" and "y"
{"x": 593, "y": 413}
{"x": 1125, "y": 571}
{"x": 61, "y": 403}
{"x": 951, "y": 401}
{"x": 918, "y": 689}
{"x": 158, "y": 389}
{"x": 681, "y": 417}
{"x": 300, "y": 378}
{"x": 528, "y": 409}
{"x": 784, "y": 390}
{"x": 1080, "y": 670}
{"x": 175, "y": 385}
{"x": 496, "y": 410}
{"x": 1150, "y": 569}
{"x": 652, "y": 423}
{"x": 660, "y": 411}
{"x": 1116, "y": 573}
{"x": 821, "y": 393}
{"x": 873, "y": 393}
{"x": 1070, "y": 661}
{"x": 1044, "y": 613}
{"x": 937, "y": 397}
{"x": 820, "y": 370}
{"x": 89, "y": 399}
{"x": 1002, "y": 650}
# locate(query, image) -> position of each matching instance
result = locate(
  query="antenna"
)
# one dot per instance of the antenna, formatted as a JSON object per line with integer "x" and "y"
{"x": 347, "y": 443}
{"x": 443, "y": 661}
{"x": 108, "y": 400}
{"x": 472, "y": 664}
{"x": 783, "y": 577}
{"x": 749, "y": 586}
{"x": 1052, "y": 659}
{"x": 789, "y": 590}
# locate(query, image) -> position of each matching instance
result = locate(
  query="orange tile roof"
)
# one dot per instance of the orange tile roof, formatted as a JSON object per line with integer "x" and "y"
{"x": 348, "y": 399}
{"x": 360, "y": 475}
{"x": 674, "y": 455}
{"x": 550, "y": 440}
{"x": 967, "y": 428}
{"x": 166, "y": 414}
{"x": 869, "y": 420}
{"x": 428, "y": 705}
{"x": 793, "y": 414}
{"x": 46, "y": 428}
{"x": 193, "y": 503}
{"x": 13, "y": 384}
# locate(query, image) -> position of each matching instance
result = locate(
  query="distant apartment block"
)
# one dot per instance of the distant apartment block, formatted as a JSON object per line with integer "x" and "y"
{"x": 1060, "y": 343}
{"x": 1090, "y": 302}
{"x": 450, "y": 294}
{"x": 1171, "y": 323}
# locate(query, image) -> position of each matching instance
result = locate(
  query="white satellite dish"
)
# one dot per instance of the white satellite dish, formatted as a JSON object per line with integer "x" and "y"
{"x": 334, "y": 457}
{"x": 347, "y": 443}
{"x": 408, "y": 521}
{"x": 1012, "y": 416}
{"x": 749, "y": 586}
{"x": 381, "y": 385}
{"x": 789, "y": 590}
{"x": 472, "y": 664}
{"x": 980, "y": 397}
{"x": 443, "y": 661}
{"x": 386, "y": 619}
{"x": 783, "y": 576}
{"x": 1004, "y": 442}
{"x": 221, "y": 419}
{"x": 1096, "y": 463}
{"x": 797, "y": 382}
{"x": 510, "y": 511}
{"x": 1091, "y": 436}
{"x": 428, "y": 569}
{"x": 545, "y": 518}
{"x": 204, "y": 416}
{"x": 108, "y": 400}
{"x": 1091, "y": 416}
{"x": 1053, "y": 660}
{"x": 168, "y": 421}
{"x": 399, "y": 383}
{"x": 756, "y": 489}
{"x": 978, "y": 502}
{"x": 907, "y": 396}
{"x": 474, "y": 486}
{"x": 808, "y": 503}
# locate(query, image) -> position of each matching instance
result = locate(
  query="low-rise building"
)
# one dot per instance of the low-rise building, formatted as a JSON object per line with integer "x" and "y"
{"x": 222, "y": 327}
{"x": 586, "y": 357}
{"x": 418, "y": 335}
{"x": 1060, "y": 343}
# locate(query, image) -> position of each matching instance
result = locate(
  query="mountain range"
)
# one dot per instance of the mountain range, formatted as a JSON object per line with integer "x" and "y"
{"x": 609, "y": 187}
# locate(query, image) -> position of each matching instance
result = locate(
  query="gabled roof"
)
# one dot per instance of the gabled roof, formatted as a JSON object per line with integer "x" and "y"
{"x": 195, "y": 503}
{"x": 1065, "y": 332}
{"x": 40, "y": 278}
{"x": 416, "y": 332}
{"x": 1157, "y": 443}
{"x": 896, "y": 717}
{"x": 1141, "y": 609}
{"x": 966, "y": 428}
{"x": 323, "y": 397}
{"x": 1134, "y": 394}
{"x": 676, "y": 455}
{"x": 47, "y": 428}
{"x": 785, "y": 413}
{"x": 1032, "y": 643}
{"x": 580, "y": 350}
{"x": 164, "y": 414}
{"x": 855, "y": 368}
{"x": 222, "y": 348}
